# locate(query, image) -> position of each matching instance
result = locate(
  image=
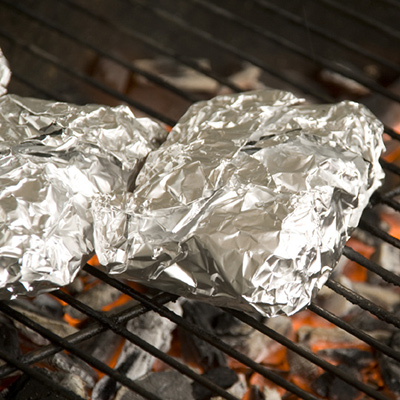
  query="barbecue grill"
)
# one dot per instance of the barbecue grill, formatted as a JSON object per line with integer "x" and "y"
{"x": 77, "y": 51}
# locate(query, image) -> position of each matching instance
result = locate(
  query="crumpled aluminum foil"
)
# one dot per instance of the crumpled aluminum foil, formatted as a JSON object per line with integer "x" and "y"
{"x": 248, "y": 203}
{"x": 54, "y": 158}
{"x": 5, "y": 74}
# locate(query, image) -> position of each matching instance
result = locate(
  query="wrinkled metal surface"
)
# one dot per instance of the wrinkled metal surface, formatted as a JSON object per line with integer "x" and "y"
{"x": 54, "y": 158}
{"x": 5, "y": 74}
{"x": 248, "y": 203}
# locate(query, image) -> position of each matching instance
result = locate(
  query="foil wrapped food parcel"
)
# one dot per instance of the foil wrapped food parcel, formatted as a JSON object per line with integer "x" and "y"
{"x": 54, "y": 159}
{"x": 247, "y": 204}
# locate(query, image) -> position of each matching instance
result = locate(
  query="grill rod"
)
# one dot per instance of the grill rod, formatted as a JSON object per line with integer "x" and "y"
{"x": 109, "y": 55}
{"x": 331, "y": 38}
{"x": 369, "y": 83}
{"x": 66, "y": 345}
{"x": 222, "y": 346}
{"x": 162, "y": 49}
{"x": 361, "y": 18}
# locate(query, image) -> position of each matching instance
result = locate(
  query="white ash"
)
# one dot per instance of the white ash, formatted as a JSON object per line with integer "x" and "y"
{"x": 381, "y": 296}
{"x": 309, "y": 335}
{"x": 76, "y": 367}
{"x": 255, "y": 344}
{"x": 59, "y": 327}
{"x": 75, "y": 384}
{"x": 152, "y": 328}
{"x": 238, "y": 389}
{"x": 97, "y": 297}
{"x": 169, "y": 385}
{"x": 388, "y": 257}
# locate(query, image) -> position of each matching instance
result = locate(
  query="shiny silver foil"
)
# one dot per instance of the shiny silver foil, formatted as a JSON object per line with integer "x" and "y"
{"x": 248, "y": 203}
{"x": 5, "y": 74}
{"x": 54, "y": 159}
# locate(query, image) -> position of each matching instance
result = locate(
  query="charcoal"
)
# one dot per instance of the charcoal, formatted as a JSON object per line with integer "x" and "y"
{"x": 375, "y": 327}
{"x": 134, "y": 362}
{"x": 330, "y": 386}
{"x": 390, "y": 369}
{"x": 106, "y": 387}
{"x": 222, "y": 376}
{"x": 352, "y": 357}
{"x": 9, "y": 338}
{"x": 43, "y": 304}
{"x": 75, "y": 366}
{"x": 300, "y": 365}
{"x": 27, "y": 388}
{"x": 255, "y": 394}
{"x": 271, "y": 394}
{"x": 97, "y": 297}
{"x": 388, "y": 257}
{"x": 49, "y": 306}
{"x": 101, "y": 346}
{"x": 308, "y": 336}
{"x": 194, "y": 349}
{"x": 59, "y": 327}
{"x": 169, "y": 385}
{"x": 75, "y": 384}
{"x": 381, "y": 296}
{"x": 238, "y": 389}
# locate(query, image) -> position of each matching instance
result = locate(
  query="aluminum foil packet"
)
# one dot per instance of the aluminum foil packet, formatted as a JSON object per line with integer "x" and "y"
{"x": 54, "y": 159}
{"x": 247, "y": 204}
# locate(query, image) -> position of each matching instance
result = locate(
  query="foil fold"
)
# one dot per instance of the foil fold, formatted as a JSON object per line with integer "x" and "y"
{"x": 247, "y": 204}
{"x": 54, "y": 159}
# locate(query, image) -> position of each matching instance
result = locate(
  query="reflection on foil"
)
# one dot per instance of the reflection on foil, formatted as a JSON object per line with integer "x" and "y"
{"x": 54, "y": 158}
{"x": 5, "y": 74}
{"x": 247, "y": 204}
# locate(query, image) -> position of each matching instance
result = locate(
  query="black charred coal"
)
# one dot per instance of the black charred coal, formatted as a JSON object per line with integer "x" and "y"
{"x": 106, "y": 388}
{"x": 222, "y": 376}
{"x": 390, "y": 368}
{"x": 351, "y": 357}
{"x": 101, "y": 346}
{"x": 26, "y": 388}
{"x": 169, "y": 385}
{"x": 255, "y": 394}
{"x": 74, "y": 365}
{"x": 49, "y": 305}
{"x": 194, "y": 349}
{"x": 333, "y": 388}
{"x": 9, "y": 337}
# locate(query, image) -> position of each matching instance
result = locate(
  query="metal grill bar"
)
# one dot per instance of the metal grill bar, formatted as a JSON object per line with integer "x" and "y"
{"x": 89, "y": 332}
{"x": 296, "y": 49}
{"x": 109, "y": 55}
{"x": 308, "y": 355}
{"x": 366, "y": 226}
{"x": 361, "y": 18}
{"x": 40, "y": 376}
{"x": 165, "y": 15}
{"x": 85, "y": 78}
{"x": 104, "y": 322}
{"x": 201, "y": 333}
{"x": 161, "y": 49}
{"x": 66, "y": 345}
{"x": 120, "y": 330}
{"x": 250, "y": 321}
{"x": 388, "y": 276}
{"x": 354, "y": 331}
{"x": 264, "y": 4}
{"x": 364, "y": 303}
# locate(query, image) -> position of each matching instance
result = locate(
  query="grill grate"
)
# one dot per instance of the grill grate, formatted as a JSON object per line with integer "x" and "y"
{"x": 191, "y": 19}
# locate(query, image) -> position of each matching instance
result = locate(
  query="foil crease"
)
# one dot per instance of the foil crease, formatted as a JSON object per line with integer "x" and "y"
{"x": 247, "y": 204}
{"x": 54, "y": 159}
{"x": 5, "y": 74}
